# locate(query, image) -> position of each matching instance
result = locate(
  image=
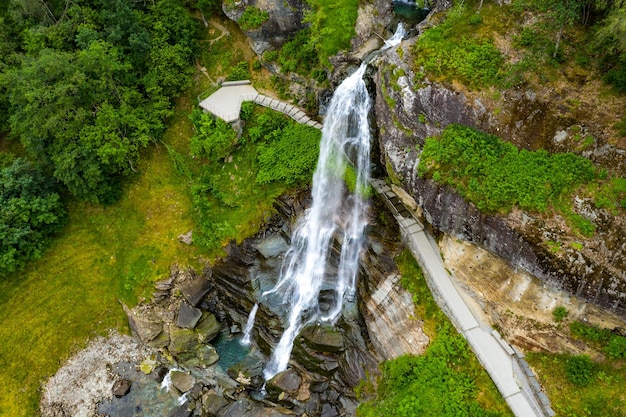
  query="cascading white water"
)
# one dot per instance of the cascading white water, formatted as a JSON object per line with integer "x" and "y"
{"x": 245, "y": 340}
{"x": 335, "y": 213}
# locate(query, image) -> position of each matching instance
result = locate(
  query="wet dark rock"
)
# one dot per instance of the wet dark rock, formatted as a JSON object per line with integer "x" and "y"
{"x": 287, "y": 381}
{"x": 159, "y": 373}
{"x": 326, "y": 300}
{"x": 182, "y": 411}
{"x": 208, "y": 327}
{"x": 121, "y": 387}
{"x": 250, "y": 369}
{"x": 188, "y": 316}
{"x": 195, "y": 290}
{"x": 212, "y": 403}
{"x": 323, "y": 339}
{"x": 329, "y": 410}
{"x": 183, "y": 381}
{"x": 319, "y": 386}
{"x": 196, "y": 392}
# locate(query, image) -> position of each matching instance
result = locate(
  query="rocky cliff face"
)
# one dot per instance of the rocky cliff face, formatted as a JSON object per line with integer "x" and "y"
{"x": 593, "y": 268}
{"x": 285, "y": 19}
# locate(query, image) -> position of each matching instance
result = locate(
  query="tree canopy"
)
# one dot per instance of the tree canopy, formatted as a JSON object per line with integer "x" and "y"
{"x": 30, "y": 212}
{"x": 88, "y": 83}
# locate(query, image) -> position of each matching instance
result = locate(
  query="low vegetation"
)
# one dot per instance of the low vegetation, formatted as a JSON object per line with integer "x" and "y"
{"x": 331, "y": 27}
{"x": 496, "y": 176}
{"x": 555, "y": 35}
{"x": 447, "y": 380}
{"x": 580, "y": 386}
{"x": 586, "y": 384}
{"x": 273, "y": 149}
{"x": 252, "y": 18}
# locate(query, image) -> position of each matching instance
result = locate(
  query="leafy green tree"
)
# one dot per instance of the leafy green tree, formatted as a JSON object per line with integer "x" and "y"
{"x": 70, "y": 110}
{"x": 30, "y": 212}
{"x": 213, "y": 138}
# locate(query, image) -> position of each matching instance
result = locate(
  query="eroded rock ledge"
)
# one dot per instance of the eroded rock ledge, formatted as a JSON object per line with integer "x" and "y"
{"x": 592, "y": 268}
{"x": 173, "y": 351}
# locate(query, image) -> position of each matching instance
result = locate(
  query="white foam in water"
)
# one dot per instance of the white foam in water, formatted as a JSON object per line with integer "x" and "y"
{"x": 166, "y": 384}
{"x": 247, "y": 333}
{"x": 396, "y": 38}
{"x": 335, "y": 213}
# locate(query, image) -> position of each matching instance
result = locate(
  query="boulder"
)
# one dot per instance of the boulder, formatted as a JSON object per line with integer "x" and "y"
{"x": 182, "y": 411}
{"x": 286, "y": 381}
{"x": 323, "y": 339}
{"x": 212, "y": 403}
{"x": 147, "y": 328}
{"x": 121, "y": 387}
{"x": 195, "y": 289}
{"x": 182, "y": 341}
{"x": 162, "y": 339}
{"x": 207, "y": 355}
{"x": 208, "y": 327}
{"x": 188, "y": 316}
{"x": 182, "y": 381}
{"x": 186, "y": 238}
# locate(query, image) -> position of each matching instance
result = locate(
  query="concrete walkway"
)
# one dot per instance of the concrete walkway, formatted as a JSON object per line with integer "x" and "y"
{"x": 505, "y": 365}
{"x": 225, "y": 103}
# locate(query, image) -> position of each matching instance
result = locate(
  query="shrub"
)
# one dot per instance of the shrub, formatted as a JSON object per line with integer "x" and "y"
{"x": 616, "y": 348}
{"x": 292, "y": 157}
{"x": 239, "y": 72}
{"x": 579, "y": 370}
{"x": 30, "y": 213}
{"x": 252, "y": 18}
{"x": 559, "y": 313}
{"x": 590, "y": 333}
{"x": 495, "y": 175}
{"x": 213, "y": 138}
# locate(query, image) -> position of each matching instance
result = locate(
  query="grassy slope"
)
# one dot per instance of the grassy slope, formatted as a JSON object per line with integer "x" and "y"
{"x": 70, "y": 295}
{"x": 604, "y": 396}
{"x": 395, "y": 401}
{"x": 105, "y": 254}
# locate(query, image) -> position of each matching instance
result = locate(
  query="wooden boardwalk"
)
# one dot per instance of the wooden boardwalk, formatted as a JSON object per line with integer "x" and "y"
{"x": 226, "y": 102}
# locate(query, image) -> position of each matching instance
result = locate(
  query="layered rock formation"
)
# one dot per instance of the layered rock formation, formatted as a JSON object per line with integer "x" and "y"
{"x": 593, "y": 268}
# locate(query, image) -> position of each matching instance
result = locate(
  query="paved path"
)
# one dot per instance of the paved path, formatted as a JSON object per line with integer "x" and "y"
{"x": 506, "y": 366}
{"x": 226, "y": 103}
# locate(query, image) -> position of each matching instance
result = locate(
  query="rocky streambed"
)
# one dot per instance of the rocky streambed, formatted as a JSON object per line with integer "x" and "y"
{"x": 185, "y": 357}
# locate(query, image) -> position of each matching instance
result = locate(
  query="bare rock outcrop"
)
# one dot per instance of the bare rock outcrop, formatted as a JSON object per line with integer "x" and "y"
{"x": 593, "y": 268}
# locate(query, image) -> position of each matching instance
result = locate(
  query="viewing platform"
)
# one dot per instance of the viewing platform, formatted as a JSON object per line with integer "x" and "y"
{"x": 226, "y": 102}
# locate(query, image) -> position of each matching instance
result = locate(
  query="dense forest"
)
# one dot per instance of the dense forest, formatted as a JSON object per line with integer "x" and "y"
{"x": 84, "y": 86}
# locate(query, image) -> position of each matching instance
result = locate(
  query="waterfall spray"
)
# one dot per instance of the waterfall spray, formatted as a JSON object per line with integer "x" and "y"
{"x": 336, "y": 213}
{"x": 247, "y": 333}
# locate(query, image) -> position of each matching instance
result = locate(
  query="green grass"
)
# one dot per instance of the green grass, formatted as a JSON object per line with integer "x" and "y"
{"x": 447, "y": 380}
{"x": 234, "y": 193}
{"x": 495, "y": 175}
{"x": 105, "y": 254}
{"x": 604, "y": 394}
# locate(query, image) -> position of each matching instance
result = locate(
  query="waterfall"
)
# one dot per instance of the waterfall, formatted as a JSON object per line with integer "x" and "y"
{"x": 245, "y": 341}
{"x": 336, "y": 213}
